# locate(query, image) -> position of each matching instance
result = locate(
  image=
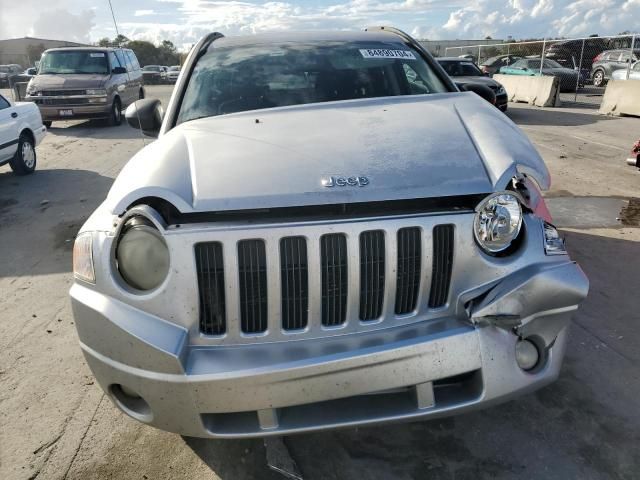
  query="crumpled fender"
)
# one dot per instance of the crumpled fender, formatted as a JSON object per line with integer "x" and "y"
{"x": 534, "y": 300}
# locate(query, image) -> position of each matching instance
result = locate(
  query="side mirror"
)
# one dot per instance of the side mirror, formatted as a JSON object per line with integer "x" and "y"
{"x": 118, "y": 70}
{"x": 479, "y": 89}
{"x": 146, "y": 115}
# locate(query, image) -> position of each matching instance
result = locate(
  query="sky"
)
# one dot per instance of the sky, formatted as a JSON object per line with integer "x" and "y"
{"x": 185, "y": 21}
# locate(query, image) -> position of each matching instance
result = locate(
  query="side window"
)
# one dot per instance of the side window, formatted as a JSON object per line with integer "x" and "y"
{"x": 123, "y": 59}
{"x": 624, "y": 57}
{"x": 3, "y": 103}
{"x": 113, "y": 60}
{"x": 133, "y": 60}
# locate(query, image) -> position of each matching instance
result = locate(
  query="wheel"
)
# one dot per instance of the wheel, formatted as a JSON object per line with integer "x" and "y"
{"x": 115, "y": 117}
{"x": 598, "y": 79}
{"x": 24, "y": 161}
{"x": 47, "y": 124}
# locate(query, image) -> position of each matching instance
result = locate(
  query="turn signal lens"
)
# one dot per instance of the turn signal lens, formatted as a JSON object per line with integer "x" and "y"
{"x": 553, "y": 243}
{"x": 83, "y": 258}
{"x": 498, "y": 221}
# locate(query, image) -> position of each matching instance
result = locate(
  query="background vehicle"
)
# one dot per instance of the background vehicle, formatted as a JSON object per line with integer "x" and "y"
{"x": 173, "y": 73}
{"x": 569, "y": 78}
{"x": 608, "y": 62}
{"x": 493, "y": 64}
{"x": 86, "y": 82}
{"x": 568, "y": 52}
{"x": 153, "y": 74}
{"x": 464, "y": 71}
{"x": 621, "y": 74}
{"x": 7, "y": 72}
{"x": 21, "y": 130}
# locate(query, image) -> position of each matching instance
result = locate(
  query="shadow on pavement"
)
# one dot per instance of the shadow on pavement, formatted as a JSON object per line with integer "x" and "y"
{"x": 94, "y": 129}
{"x": 553, "y": 117}
{"x": 40, "y": 215}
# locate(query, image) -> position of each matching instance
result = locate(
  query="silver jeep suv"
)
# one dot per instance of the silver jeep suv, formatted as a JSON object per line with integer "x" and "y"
{"x": 326, "y": 233}
{"x": 85, "y": 83}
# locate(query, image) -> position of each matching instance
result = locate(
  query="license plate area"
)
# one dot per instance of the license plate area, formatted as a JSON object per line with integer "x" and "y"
{"x": 66, "y": 113}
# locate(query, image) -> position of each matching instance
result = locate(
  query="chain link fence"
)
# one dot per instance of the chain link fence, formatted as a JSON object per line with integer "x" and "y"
{"x": 584, "y": 65}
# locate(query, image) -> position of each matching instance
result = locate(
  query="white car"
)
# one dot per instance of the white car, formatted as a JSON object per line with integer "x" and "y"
{"x": 621, "y": 74}
{"x": 21, "y": 130}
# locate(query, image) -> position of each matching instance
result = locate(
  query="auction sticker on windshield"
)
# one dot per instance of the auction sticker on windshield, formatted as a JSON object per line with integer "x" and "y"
{"x": 384, "y": 53}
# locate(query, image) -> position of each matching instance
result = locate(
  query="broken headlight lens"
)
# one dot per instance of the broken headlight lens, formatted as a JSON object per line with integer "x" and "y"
{"x": 83, "y": 258}
{"x": 553, "y": 243}
{"x": 142, "y": 255}
{"x": 497, "y": 222}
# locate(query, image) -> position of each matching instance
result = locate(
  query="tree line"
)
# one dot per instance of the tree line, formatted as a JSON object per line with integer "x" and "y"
{"x": 147, "y": 53}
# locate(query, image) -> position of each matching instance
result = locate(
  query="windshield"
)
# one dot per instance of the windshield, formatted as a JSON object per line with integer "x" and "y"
{"x": 551, "y": 64}
{"x": 460, "y": 69}
{"x": 250, "y": 77}
{"x": 151, "y": 68}
{"x": 74, "y": 61}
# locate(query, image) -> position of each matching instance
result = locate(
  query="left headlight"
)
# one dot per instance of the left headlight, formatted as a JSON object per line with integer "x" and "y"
{"x": 142, "y": 255}
{"x": 497, "y": 222}
{"x": 83, "y": 258}
{"x": 97, "y": 91}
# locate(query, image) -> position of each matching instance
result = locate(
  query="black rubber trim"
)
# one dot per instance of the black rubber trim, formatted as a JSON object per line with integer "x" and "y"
{"x": 8, "y": 144}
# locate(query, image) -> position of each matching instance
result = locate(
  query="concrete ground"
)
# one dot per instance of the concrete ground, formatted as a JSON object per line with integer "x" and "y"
{"x": 57, "y": 424}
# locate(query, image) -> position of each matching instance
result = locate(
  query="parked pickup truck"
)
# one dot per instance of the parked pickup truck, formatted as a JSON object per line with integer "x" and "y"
{"x": 21, "y": 130}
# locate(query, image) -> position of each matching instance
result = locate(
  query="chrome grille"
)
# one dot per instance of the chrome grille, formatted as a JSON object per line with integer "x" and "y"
{"x": 371, "y": 274}
{"x": 55, "y": 93}
{"x": 253, "y": 285}
{"x": 295, "y": 282}
{"x": 333, "y": 258}
{"x": 301, "y": 282}
{"x": 442, "y": 265}
{"x": 210, "y": 270}
{"x": 409, "y": 259}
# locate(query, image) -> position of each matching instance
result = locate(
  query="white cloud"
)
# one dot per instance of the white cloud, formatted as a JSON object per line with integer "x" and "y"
{"x": 143, "y": 13}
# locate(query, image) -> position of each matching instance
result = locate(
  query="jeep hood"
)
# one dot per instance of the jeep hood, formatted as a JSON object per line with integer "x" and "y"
{"x": 67, "y": 80}
{"x": 408, "y": 147}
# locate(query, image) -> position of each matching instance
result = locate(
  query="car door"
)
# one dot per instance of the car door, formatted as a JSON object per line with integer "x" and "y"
{"x": 124, "y": 83}
{"x": 8, "y": 130}
{"x": 136, "y": 74}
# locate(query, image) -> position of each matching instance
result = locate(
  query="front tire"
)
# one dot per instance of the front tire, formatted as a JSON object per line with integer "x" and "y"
{"x": 115, "y": 117}
{"x": 24, "y": 161}
{"x": 598, "y": 79}
{"x": 47, "y": 124}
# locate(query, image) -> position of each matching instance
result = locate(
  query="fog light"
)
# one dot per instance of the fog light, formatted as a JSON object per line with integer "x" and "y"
{"x": 527, "y": 354}
{"x": 131, "y": 402}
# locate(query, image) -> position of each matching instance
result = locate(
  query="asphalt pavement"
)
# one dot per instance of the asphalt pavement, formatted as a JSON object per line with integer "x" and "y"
{"x": 57, "y": 423}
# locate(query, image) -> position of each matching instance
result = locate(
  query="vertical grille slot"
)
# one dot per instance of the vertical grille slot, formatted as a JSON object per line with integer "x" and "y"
{"x": 442, "y": 265}
{"x": 252, "y": 268}
{"x": 210, "y": 270}
{"x": 333, "y": 260}
{"x": 409, "y": 258}
{"x": 371, "y": 274}
{"x": 295, "y": 286}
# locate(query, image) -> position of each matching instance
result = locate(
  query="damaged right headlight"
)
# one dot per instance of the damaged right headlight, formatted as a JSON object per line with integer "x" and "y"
{"x": 497, "y": 222}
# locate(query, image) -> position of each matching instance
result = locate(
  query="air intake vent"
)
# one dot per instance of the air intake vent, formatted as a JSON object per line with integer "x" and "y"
{"x": 409, "y": 259}
{"x": 333, "y": 258}
{"x": 371, "y": 274}
{"x": 295, "y": 286}
{"x": 442, "y": 265}
{"x": 253, "y": 286}
{"x": 210, "y": 271}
